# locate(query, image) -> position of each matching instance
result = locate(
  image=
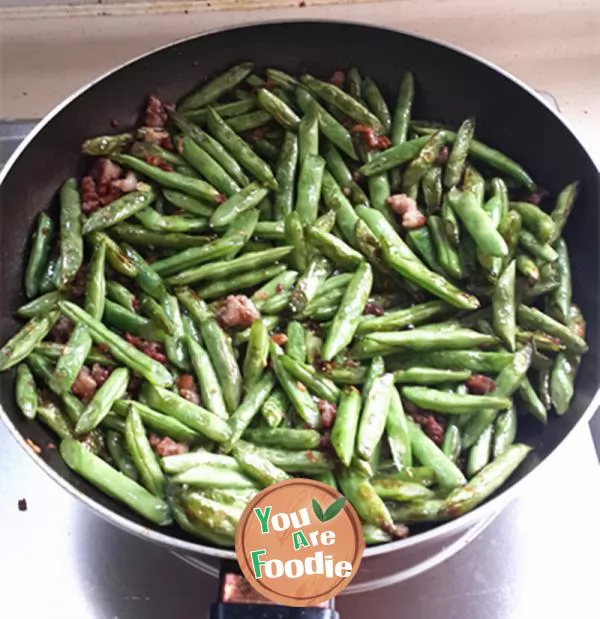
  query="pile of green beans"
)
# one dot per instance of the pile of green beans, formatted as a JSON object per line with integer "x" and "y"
{"x": 386, "y": 362}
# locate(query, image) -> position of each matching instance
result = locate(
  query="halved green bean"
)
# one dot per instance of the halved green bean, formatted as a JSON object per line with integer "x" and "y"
{"x": 560, "y": 298}
{"x": 277, "y": 285}
{"x": 123, "y": 320}
{"x": 361, "y": 494}
{"x": 426, "y": 339}
{"x": 308, "y": 283}
{"x": 473, "y": 360}
{"x": 429, "y": 376}
{"x": 184, "y": 462}
{"x": 394, "y": 156}
{"x": 377, "y": 104}
{"x": 424, "y": 160}
{"x": 295, "y": 347}
{"x": 423, "y": 475}
{"x": 535, "y": 220}
{"x": 306, "y": 462}
{"x": 294, "y": 235}
{"x": 270, "y": 230}
{"x": 331, "y": 128}
{"x": 206, "y": 476}
{"x": 452, "y": 444}
{"x": 309, "y": 187}
{"x": 117, "y": 448}
{"x": 447, "y": 255}
{"x": 149, "y": 281}
{"x": 348, "y": 316}
{"x": 141, "y": 236}
{"x": 217, "y": 87}
{"x": 41, "y": 305}
{"x": 26, "y": 339}
{"x": 48, "y": 278}
{"x": 543, "y": 252}
{"x": 188, "y": 204}
{"x": 396, "y": 427}
{"x": 458, "y": 153}
{"x": 38, "y": 255}
{"x": 248, "y": 122}
{"x": 431, "y": 186}
{"x": 527, "y": 267}
{"x": 505, "y": 431}
{"x": 156, "y": 313}
{"x": 428, "y": 510}
{"x": 50, "y": 415}
{"x": 401, "y": 318}
{"x": 282, "y": 79}
{"x": 453, "y": 403}
{"x": 402, "y": 110}
{"x": 118, "y": 293}
{"x": 479, "y": 454}
{"x": 218, "y": 519}
{"x": 394, "y": 490}
{"x": 343, "y": 433}
{"x": 278, "y": 109}
{"x": 247, "y": 198}
{"x": 105, "y": 144}
{"x": 226, "y": 110}
{"x": 257, "y": 353}
{"x": 562, "y": 380}
{"x": 298, "y": 394}
{"x": 286, "y": 438}
{"x": 71, "y": 241}
{"x": 285, "y": 175}
{"x": 130, "y": 356}
{"x": 244, "y": 281}
{"x": 26, "y": 391}
{"x": 374, "y": 415}
{"x": 113, "y": 483}
{"x": 334, "y": 248}
{"x": 503, "y": 306}
{"x": 156, "y": 222}
{"x": 72, "y": 359}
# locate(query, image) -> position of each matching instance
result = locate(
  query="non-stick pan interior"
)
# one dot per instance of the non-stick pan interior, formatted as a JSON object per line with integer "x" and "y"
{"x": 450, "y": 86}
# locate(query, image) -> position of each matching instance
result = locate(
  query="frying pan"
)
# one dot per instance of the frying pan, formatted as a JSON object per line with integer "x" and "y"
{"x": 451, "y": 85}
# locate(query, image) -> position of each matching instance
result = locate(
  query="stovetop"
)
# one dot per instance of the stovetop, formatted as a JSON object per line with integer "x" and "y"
{"x": 60, "y": 561}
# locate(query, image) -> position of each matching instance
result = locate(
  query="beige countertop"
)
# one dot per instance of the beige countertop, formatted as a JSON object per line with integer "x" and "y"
{"x": 553, "y": 45}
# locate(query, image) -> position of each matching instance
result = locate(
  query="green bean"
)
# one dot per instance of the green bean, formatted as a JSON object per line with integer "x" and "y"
{"x": 274, "y": 408}
{"x": 112, "y": 390}
{"x": 71, "y": 241}
{"x": 26, "y": 339}
{"x": 143, "y": 456}
{"x": 294, "y": 236}
{"x": 429, "y": 376}
{"x": 535, "y": 220}
{"x": 334, "y": 248}
{"x": 142, "y": 150}
{"x": 117, "y": 448}
{"x": 452, "y": 403}
{"x": 346, "y": 217}
{"x": 401, "y": 318}
{"x": 341, "y": 101}
{"x": 188, "y": 204}
{"x": 48, "y": 277}
{"x": 278, "y": 284}
{"x": 503, "y": 306}
{"x": 205, "y": 476}
{"x": 562, "y": 380}
{"x": 174, "y": 343}
{"x": 113, "y": 483}
{"x": 71, "y": 360}
{"x": 39, "y": 253}
{"x": 505, "y": 431}
{"x": 148, "y": 280}
{"x": 548, "y": 283}
{"x": 270, "y": 230}
{"x": 340, "y": 171}
{"x": 257, "y": 353}
{"x": 306, "y": 462}
{"x": 560, "y": 298}
{"x": 348, "y": 316}
{"x": 218, "y": 346}
{"x": 123, "y": 320}
{"x": 309, "y": 187}
{"x": 507, "y": 382}
{"x": 333, "y": 130}
{"x": 210, "y": 520}
{"x": 527, "y": 267}
{"x": 401, "y": 259}
{"x": 487, "y": 481}
{"x": 543, "y": 252}
{"x": 494, "y": 158}
{"x": 426, "y": 339}
{"x": 533, "y": 318}
{"x": 162, "y": 424}
{"x": 184, "y": 462}
{"x": 458, "y": 153}
{"x": 141, "y": 236}
{"x": 424, "y": 160}
{"x": 287, "y": 438}
{"x": 105, "y": 145}
{"x": 377, "y": 104}
{"x": 354, "y": 83}
{"x": 427, "y": 510}
{"x": 26, "y": 391}
{"x": 248, "y": 122}
{"x": 431, "y": 186}
{"x": 308, "y": 283}
{"x": 136, "y": 360}
{"x": 344, "y": 430}
{"x": 217, "y": 87}
{"x": 394, "y": 156}
{"x": 155, "y": 222}
{"x": 282, "y": 79}
{"x": 479, "y": 454}
{"x": 452, "y": 442}
{"x": 447, "y": 255}
{"x": 223, "y": 269}
{"x": 402, "y": 110}
{"x": 247, "y": 198}
{"x": 241, "y": 282}
{"x": 320, "y": 387}
{"x": 95, "y": 292}
{"x": 41, "y": 305}
{"x": 277, "y": 109}
{"x": 121, "y": 295}
{"x": 50, "y": 415}
{"x": 564, "y": 204}
{"x": 298, "y": 395}
{"x": 254, "y": 465}
{"x": 429, "y": 454}
{"x": 423, "y": 475}
{"x": 157, "y": 314}
{"x": 285, "y": 175}
{"x": 266, "y": 148}
{"x": 226, "y": 110}
{"x": 396, "y": 427}
{"x": 243, "y": 153}
{"x": 295, "y": 347}
{"x": 373, "y": 418}
{"x": 394, "y": 490}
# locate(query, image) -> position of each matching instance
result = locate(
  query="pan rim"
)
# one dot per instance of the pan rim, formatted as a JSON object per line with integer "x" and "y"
{"x": 164, "y": 539}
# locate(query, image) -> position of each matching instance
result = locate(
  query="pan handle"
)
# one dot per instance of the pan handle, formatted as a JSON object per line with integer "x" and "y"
{"x": 238, "y": 600}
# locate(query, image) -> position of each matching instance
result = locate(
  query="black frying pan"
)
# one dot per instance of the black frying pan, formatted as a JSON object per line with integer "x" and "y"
{"x": 450, "y": 86}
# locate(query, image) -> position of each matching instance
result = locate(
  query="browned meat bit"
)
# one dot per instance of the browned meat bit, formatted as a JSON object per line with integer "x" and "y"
{"x": 396, "y": 530}
{"x": 156, "y": 115}
{"x": 372, "y": 309}
{"x": 372, "y": 140}
{"x": 90, "y": 200}
{"x": 22, "y": 505}
{"x": 237, "y": 312}
{"x": 159, "y": 162}
{"x": 103, "y": 347}
{"x": 153, "y": 349}
{"x": 351, "y": 363}
{"x": 134, "y": 385}
{"x": 61, "y": 330}
{"x": 100, "y": 373}
{"x": 279, "y": 338}
{"x": 279, "y": 288}
{"x": 328, "y": 411}
{"x": 325, "y": 366}
{"x": 480, "y": 384}
{"x": 443, "y": 156}
{"x": 167, "y": 143}
{"x": 114, "y": 123}
{"x": 104, "y": 171}
{"x": 337, "y": 78}
{"x": 219, "y": 199}
{"x": 153, "y": 135}
{"x": 433, "y": 425}
{"x": 84, "y": 386}
{"x": 79, "y": 282}
{"x": 168, "y": 447}
{"x": 187, "y": 388}
{"x": 406, "y": 207}
{"x": 324, "y": 445}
